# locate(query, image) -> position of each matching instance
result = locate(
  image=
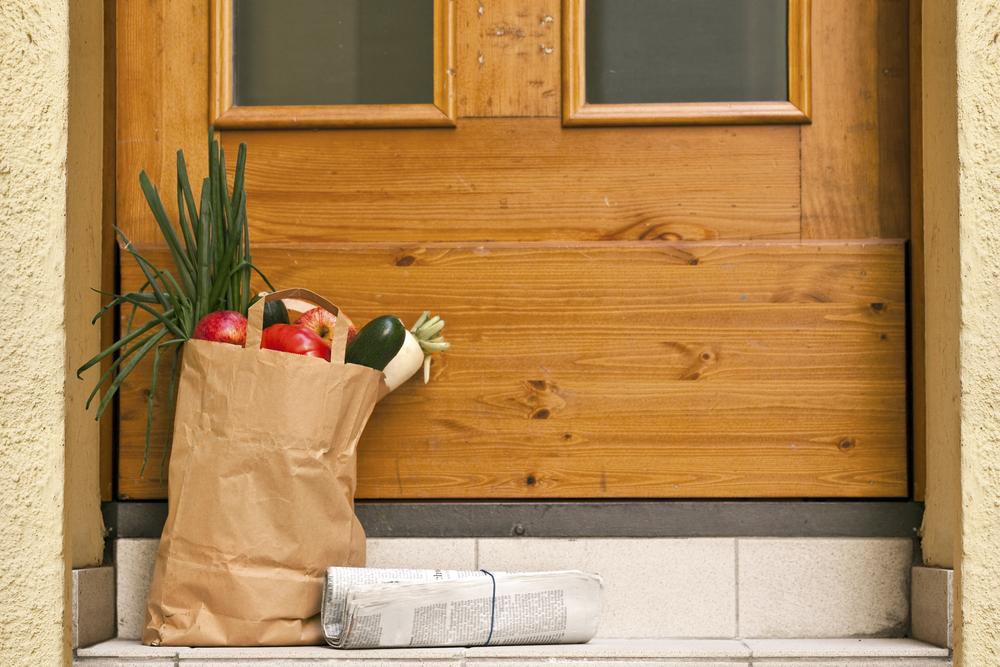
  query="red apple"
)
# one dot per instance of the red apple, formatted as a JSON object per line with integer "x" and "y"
{"x": 222, "y": 326}
{"x": 323, "y": 321}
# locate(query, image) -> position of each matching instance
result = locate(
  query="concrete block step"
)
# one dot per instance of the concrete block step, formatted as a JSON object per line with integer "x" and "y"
{"x": 600, "y": 652}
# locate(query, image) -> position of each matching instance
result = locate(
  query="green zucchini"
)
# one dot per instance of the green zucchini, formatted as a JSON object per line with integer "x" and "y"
{"x": 275, "y": 313}
{"x": 376, "y": 343}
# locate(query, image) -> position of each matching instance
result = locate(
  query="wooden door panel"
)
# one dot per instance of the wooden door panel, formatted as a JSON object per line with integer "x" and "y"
{"x": 521, "y": 180}
{"x": 508, "y": 58}
{"x": 622, "y": 370}
{"x": 585, "y": 273}
{"x": 855, "y": 153}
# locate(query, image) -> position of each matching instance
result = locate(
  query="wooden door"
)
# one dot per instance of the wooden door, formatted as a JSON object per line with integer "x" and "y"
{"x": 698, "y": 311}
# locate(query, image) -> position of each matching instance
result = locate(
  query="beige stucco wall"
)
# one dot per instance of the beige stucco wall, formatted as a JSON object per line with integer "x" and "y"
{"x": 33, "y": 104}
{"x": 978, "y": 114}
{"x": 47, "y": 161}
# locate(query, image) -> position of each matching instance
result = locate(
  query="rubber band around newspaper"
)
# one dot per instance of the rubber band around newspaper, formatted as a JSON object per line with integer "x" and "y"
{"x": 493, "y": 609}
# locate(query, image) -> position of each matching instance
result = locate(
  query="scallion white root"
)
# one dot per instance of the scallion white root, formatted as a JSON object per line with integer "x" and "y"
{"x": 423, "y": 340}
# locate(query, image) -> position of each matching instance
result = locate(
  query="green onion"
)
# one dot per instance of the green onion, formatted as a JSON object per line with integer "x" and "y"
{"x": 212, "y": 257}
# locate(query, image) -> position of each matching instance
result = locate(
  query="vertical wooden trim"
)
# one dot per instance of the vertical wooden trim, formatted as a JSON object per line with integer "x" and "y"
{"x": 220, "y": 96}
{"x": 799, "y": 55}
{"x": 574, "y": 65}
{"x": 444, "y": 58}
{"x": 109, "y": 267}
{"x": 893, "y": 75}
{"x": 918, "y": 374}
{"x": 576, "y": 111}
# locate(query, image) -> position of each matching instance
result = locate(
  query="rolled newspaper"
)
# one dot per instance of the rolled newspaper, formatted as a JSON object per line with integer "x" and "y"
{"x": 383, "y": 608}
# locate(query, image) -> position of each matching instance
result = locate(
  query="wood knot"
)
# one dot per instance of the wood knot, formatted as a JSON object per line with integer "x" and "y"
{"x": 877, "y": 307}
{"x": 847, "y": 443}
{"x": 694, "y": 261}
{"x": 530, "y": 480}
{"x": 406, "y": 260}
{"x": 541, "y": 398}
{"x": 698, "y": 361}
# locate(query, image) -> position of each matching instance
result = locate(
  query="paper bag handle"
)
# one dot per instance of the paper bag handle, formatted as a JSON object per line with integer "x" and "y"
{"x": 255, "y": 320}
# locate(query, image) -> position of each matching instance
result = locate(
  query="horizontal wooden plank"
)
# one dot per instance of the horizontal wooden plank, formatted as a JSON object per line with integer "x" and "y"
{"x": 512, "y": 180}
{"x": 619, "y": 370}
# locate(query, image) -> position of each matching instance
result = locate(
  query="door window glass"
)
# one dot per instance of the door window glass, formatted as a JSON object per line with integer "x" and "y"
{"x": 309, "y": 52}
{"x": 671, "y": 51}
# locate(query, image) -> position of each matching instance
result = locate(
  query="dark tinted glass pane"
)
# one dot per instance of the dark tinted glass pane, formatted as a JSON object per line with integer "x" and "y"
{"x": 296, "y": 52}
{"x": 641, "y": 51}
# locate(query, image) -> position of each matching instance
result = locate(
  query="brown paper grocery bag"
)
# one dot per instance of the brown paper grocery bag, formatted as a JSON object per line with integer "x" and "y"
{"x": 261, "y": 491}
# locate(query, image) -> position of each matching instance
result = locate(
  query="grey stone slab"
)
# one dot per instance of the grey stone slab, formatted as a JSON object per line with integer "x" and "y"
{"x": 932, "y": 605}
{"x": 93, "y": 605}
{"x": 626, "y": 662}
{"x": 619, "y": 648}
{"x": 854, "y": 662}
{"x": 844, "y": 648}
{"x": 305, "y": 653}
{"x": 128, "y": 648}
{"x": 339, "y": 661}
{"x": 653, "y": 587}
{"x": 422, "y": 553}
{"x": 124, "y": 662}
{"x": 607, "y": 652}
{"x": 134, "y": 561}
{"x": 824, "y": 587}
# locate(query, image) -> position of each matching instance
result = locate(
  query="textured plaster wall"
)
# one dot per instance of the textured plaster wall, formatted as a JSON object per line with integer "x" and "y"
{"x": 34, "y": 575}
{"x": 978, "y": 62}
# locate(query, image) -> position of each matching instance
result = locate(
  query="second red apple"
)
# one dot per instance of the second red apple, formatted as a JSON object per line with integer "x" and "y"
{"x": 222, "y": 326}
{"x": 323, "y": 321}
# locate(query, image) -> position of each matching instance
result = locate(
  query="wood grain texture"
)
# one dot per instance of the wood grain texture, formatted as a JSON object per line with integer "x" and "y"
{"x": 306, "y": 117}
{"x": 446, "y": 57}
{"x": 508, "y": 58}
{"x": 162, "y": 104}
{"x": 221, "y": 55}
{"x": 620, "y": 370}
{"x": 590, "y": 360}
{"x": 894, "y": 118}
{"x": 574, "y": 59}
{"x": 918, "y": 342}
{"x": 840, "y": 148}
{"x": 800, "y": 55}
{"x": 520, "y": 180}
{"x": 688, "y": 113}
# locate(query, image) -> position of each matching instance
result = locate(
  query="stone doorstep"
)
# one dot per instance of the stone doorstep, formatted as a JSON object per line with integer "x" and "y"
{"x": 606, "y": 651}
